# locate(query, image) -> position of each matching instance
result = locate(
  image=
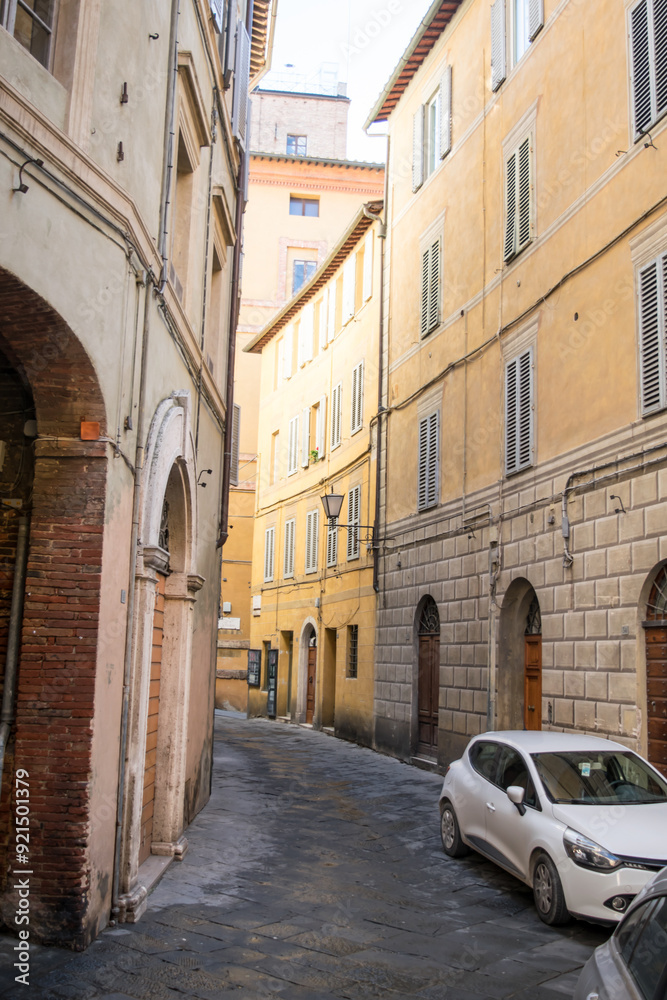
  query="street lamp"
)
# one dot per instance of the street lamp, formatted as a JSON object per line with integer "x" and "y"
{"x": 332, "y": 503}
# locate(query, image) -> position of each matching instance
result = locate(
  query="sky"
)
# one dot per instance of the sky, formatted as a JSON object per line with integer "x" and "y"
{"x": 364, "y": 39}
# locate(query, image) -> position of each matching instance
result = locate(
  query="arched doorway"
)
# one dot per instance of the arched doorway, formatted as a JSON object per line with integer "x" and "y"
{"x": 311, "y": 678}
{"x": 428, "y": 683}
{"x": 519, "y": 676}
{"x": 655, "y": 626}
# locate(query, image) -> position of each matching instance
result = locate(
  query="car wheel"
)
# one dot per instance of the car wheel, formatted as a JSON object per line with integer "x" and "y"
{"x": 548, "y": 892}
{"x": 450, "y": 833}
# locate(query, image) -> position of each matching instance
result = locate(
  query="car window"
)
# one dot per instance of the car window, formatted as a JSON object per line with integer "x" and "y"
{"x": 628, "y": 931}
{"x": 513, "y": 770}
{"x": 648, "y": 959}
{"x": 599, "y": 777}
{"x": 483, "y": 758}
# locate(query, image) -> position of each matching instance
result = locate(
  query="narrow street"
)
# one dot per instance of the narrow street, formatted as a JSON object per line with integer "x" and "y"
{"x": 316, "y": 872}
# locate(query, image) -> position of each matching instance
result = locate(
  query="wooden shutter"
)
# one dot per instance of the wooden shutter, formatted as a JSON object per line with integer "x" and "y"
{"x": 288, "y": 558}
{"x": 535, "y": 18}
{"x": 241, "y": 81}
{"x": 306, "y": 329}
{"x": 331, "y": 317}
{"x": 324, "y": 302}
{"x": 353, "y": 518}
{"x": 418, "y": 149}
{"x": 426, "y": 270}
{"x": 276, "y": 456}
{"x": 332, "y": 541}
{"x": 428, "y": 465}
{"x": 510, "y": 207}
{"x": 357, "y": 416}
{"x": 498, "y": 44}
{"x": 269, "y": 544}
{"x": 524, "y": 182}
{"x": 288, "y": 351}
{"x": 321, "y": 425}
{"x": 305, "y": 437}
{"x": 652, "y": 335}
{"x": 293, "y": 446}
{"x": 217, "y": 11}
{"x": 312, "y": 526}
{"x": 519, "y": 412}
{"x": 336, "y": 410}
{"x": 446, "y": 112}
{"x": 641, "y": 67}
{"x": 660, "y": 49}
{"x": 434, "y": 286}
{"x": 349, "y": 287}
{"x": 236, "y": 429}
{"x": 368, "y": 266}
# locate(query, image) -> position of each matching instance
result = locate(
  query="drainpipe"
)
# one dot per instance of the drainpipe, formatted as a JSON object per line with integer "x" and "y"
{"x": 14, "y": 638}
{"x": 233, "y": 322}
{"x": 129, "y": 631}
{"x": 169, "y": 132}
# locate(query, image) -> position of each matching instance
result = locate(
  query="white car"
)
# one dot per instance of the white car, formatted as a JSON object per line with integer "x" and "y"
{"x": 582, "y": 820}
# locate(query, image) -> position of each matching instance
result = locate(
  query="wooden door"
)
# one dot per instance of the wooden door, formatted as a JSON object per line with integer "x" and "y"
{"x": 150, "y": 762}
{"x": 310, "y": 693}
{"x": 656, "y": 695}
{"x": 428, "y": 695}
{"x": 532, "y": 688}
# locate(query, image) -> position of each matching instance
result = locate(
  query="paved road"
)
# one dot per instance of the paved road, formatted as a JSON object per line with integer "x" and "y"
{"x": 316, "y": 873}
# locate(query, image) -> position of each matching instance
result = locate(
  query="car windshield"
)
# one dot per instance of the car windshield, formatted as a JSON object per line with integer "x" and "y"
{"x": 599, "y": 778}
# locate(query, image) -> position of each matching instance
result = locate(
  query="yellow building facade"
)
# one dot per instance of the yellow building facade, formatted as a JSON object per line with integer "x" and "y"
{"x": 523, "y": 581}
{"x": 314, "y": 581}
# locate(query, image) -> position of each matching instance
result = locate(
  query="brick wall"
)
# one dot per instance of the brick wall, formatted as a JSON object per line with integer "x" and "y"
{"x": 323, "y": 120}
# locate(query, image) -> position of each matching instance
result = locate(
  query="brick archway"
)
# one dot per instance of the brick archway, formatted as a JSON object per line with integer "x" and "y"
{"x": 52, "y": 734}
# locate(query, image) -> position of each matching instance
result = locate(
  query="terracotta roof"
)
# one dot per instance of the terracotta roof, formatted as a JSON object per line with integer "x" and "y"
{"x": 431, "y": 27}
{"x": 261, "y": 41}
{"x": 340, "y": 252}
{"x": 316, "y": 161}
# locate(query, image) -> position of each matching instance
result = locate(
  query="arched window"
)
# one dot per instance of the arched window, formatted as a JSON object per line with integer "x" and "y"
{"x": 656, "y": 606}
{"x": 429, "y": 620}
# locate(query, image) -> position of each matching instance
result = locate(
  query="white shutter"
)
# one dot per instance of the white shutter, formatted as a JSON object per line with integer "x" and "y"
{"x": 288, "y": 560}
{"x": 331, "y": 316}
{"x": 269, "y": 547}
{"x": 524, "y": 193}
{"x": 306, "y": 328}
{"x": 288, "y": 351}
{"x": 236, "y": 430}
{"x": 336, "y": 411}
{"x": 349, "y": 287}
{"x": 293, "y": 446}
{"x": 434, "y": 287}
{"x": 428, "y": 464}
{"x": 276, "y": 456}
{"x": 653, "y": 335}
{"x": 357, "y": 416}
{"x": 332, "y": 541}
{"x": 368, "y": 266}
{"x": 241, "y": 80}
{"x": 305, "y": 437}
{"x": 641, "y": 67}
{"x": 498, "y": 44}
{"x": 217, "y": 10}
{"x": 426, "y": 271}
{"x": 446, "y": 112}
{"x": 281, "y": 359}
{"x": 353, "y": 519}
{"x": 324, "y": 303}
{"x": 535, "y": 18}
{"x": 312, "y": 531}
{"x": 510, "y": 207}
{"x": 659, "y": 10}
{"x": 320, "y": 431}
{"x": 418, "y": 149}
{"x": 519, "y": 412}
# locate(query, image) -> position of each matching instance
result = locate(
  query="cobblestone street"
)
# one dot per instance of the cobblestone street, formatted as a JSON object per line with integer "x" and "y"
{"x": 316, "y": 872}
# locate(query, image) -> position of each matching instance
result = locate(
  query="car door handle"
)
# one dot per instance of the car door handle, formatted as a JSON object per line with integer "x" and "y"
{"x": 490, "y": 807}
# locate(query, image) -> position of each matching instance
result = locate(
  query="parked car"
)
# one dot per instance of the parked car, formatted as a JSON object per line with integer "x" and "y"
{"x": 632, "y": 964}
{"x": 580, "y": 819}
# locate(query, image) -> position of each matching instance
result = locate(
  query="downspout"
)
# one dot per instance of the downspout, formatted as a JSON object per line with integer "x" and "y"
{"x": 169, "y": 132}
{"x": 129, "y": 631}
{"x": 233, "y": 322}
{"x": 14, "y": 638}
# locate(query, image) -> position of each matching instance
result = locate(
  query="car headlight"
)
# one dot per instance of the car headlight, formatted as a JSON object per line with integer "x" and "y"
{"x": 587, "y": 854}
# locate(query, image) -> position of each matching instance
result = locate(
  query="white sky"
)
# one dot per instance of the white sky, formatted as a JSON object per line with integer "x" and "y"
{"x": 365, "y": 38}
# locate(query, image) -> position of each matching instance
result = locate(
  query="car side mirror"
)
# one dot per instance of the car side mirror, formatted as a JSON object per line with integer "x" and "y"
{"x": 516, "y": 794}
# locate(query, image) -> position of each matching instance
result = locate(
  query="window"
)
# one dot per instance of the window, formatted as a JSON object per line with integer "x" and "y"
{"x": 513, "y": 770}
{"x": 648, "y": 44}
{"x": 275, "y": 457}
{"x": 352, "y": 650}
{"x": 312, "y": 532}
{"x": 288, "y": 556}
{"x": 304, "y": 206}
{"x": 269, "y": 553}
{"x": 427, "y": 476}
{"x": 31, "y": 22}
{"x": 430, "y": 290}
{"x": 297, "y": 145}
{"x": 353, "y": 519}
{"x": 519, "y": 412}
{"x": 320, "y": 426}
{"x": 482, "y": 756}
{"x": 336, "y": 413}
{"x": 293, "y": 446}
{"x": 432, "y": 131}
{"x": 646, "y": 962}
{"x": 519, "y": 198}
{"x": 236, "y": 430}
{"x": 357, "y": 417}
{"x": 302, "y": 273}
{"x": 332, "y": 541}
{"x": 526, "y": 21}
{"x": 653, "y": 335}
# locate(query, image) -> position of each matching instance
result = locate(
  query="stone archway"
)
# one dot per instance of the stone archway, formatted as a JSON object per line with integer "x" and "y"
{"x": 519, "y": 673}
{"x": 166, "y": 562}
{"x": 655, "y": 632}
{"x": 54, "y": 724}
{"x": 307, "y": 692}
